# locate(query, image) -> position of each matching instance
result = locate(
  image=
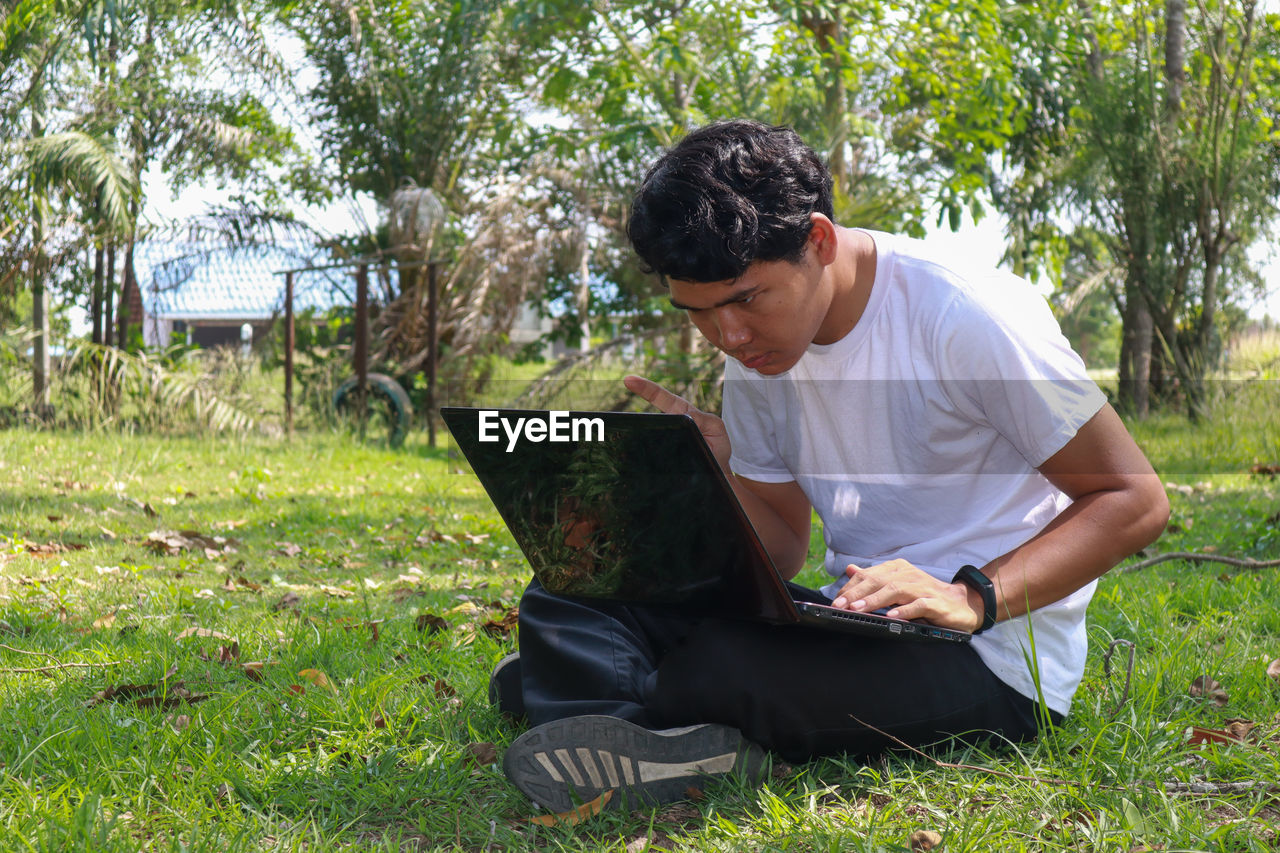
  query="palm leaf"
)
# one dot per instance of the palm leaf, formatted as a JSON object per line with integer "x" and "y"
{"x": 88, "y": 163}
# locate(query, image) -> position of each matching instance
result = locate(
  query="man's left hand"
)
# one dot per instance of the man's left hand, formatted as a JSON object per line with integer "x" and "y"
{"x": 910, "y": 593}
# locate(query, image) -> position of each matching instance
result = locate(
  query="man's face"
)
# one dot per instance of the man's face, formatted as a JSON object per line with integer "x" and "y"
{"x": 766, "y": 317}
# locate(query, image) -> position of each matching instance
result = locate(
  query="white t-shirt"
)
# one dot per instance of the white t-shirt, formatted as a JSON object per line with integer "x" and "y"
{"x": 917, "y": 436}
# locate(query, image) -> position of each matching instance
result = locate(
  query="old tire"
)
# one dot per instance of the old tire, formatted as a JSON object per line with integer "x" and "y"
{"x": 386, "y": 398}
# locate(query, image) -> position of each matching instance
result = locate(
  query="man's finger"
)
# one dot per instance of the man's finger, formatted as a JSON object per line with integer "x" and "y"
{"x": 660, "y": 397}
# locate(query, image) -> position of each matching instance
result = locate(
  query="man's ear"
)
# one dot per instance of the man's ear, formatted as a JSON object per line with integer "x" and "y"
{"x": 823, "y": 238}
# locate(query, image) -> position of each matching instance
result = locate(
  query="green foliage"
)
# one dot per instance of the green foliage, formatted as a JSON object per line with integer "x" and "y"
{"x": 177, "y": 390}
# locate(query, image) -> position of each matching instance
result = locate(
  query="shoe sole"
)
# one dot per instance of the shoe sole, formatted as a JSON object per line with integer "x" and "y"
{"x": 562, "y": 764}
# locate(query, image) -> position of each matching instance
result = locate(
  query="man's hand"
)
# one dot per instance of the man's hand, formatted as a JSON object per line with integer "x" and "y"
{"x": 712, "y": 427}
{"x": 910, "y": 593}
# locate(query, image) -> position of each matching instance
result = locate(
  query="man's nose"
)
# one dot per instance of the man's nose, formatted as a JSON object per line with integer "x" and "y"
{"x": 733, "y": 332}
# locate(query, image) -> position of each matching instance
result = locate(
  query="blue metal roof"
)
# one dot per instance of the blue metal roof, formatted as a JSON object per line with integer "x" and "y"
{"x": 202, "y": 281}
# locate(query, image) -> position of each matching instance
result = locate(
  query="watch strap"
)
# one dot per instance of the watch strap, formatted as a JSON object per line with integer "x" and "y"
{"x": 970, "y": 576}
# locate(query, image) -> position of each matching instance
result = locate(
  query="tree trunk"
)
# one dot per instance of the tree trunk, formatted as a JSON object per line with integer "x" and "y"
{"x": 95, "y": 299}
{"x": 584, "y": 281}
{"x": 1135, "y": 355}
{"x": 39, "y": 273}
{"x": 108, "y": 293}
{"x": 127, "y": 286}
{"x": 1175, "y": 47}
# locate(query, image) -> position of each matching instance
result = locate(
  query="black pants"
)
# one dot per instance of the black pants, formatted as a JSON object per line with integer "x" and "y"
{"x": 797, "y": 691}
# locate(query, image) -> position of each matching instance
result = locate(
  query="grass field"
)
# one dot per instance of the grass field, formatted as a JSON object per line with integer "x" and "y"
{"x": 305, "y": 667}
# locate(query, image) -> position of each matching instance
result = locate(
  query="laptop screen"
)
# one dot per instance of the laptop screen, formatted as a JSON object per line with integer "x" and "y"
{"x": 619, "y": 505}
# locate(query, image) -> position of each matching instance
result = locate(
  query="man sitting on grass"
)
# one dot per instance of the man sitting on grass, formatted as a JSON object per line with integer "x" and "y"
{"x": 934, "y": 417}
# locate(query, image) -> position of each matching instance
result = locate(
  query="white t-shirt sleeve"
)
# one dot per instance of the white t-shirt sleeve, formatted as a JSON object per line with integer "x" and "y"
{"x": 1005, "y": 362}
{"x": 748, "y": 418}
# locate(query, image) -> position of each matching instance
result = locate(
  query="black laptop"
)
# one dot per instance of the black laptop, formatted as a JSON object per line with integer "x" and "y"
{"x": 633, "y": 507}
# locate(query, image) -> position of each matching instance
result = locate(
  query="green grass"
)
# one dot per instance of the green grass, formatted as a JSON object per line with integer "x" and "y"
{"x": 369, "y": 540}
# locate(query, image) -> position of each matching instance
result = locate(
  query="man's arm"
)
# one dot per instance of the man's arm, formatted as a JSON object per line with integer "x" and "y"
{"x": 780, "y": 512}
{"x": 1119, "y": 506}
{"x": 782, "y": 517}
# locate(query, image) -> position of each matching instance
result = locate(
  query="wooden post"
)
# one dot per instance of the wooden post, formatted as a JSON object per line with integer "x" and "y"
{"x": 362, "y": 345}
{"x": 433, "y": 307}
{"x": 288, "y": 353}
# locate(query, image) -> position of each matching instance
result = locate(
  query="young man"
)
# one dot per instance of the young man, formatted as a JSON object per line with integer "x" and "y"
{"x": 935, "y": 418}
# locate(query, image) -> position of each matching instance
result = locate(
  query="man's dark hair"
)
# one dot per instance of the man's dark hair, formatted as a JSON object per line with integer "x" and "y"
{"x": 726, "y": 195}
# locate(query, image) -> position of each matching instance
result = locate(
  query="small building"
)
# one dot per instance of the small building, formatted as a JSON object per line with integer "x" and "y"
{"x": 209, "y": 293}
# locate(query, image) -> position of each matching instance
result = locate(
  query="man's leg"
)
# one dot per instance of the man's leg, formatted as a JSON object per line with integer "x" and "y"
{"x": 587, "y": 668}
{"x": 803, "y": 692}
{"x": 590, "y": 657}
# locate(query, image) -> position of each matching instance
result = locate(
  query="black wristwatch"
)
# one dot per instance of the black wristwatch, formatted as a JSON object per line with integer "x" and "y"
{"x": 970, "y": 576}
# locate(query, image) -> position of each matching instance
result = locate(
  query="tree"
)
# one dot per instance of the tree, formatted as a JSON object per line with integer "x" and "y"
{"x": 1163, "y": 142}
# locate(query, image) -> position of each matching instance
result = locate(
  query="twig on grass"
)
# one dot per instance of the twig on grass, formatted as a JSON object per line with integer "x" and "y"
{"x": 1190, "y": 557}
{"x": 57, "y": 665}
{"x": 1219, "y": 787}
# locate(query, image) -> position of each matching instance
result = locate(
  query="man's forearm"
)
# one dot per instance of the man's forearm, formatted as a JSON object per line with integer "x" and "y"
{"x": 1083, "y": 543}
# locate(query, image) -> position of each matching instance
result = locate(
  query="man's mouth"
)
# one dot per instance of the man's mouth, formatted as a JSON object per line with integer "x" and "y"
{"x": 754, "y": 362}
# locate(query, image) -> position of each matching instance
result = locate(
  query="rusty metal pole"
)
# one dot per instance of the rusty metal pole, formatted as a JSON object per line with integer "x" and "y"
{"x": 362, "y": 345}
{"x": 288, "y": 353}
{"x": 433, "y": 308}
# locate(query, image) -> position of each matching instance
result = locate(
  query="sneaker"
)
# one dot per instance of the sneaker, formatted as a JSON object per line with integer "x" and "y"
{"x": 505, "y": 690}
{"x": 574, "y": 760}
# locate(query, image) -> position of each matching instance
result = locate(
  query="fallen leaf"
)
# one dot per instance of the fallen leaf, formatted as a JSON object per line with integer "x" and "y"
{"x": 318, "y": 678}
{"x": 223, "y": 792}
{"x": 924, "y": 839}
{"x": 1197, "y": 736}
{"x": 226, "y": 654}
{"x": 1206, "y": 687}
{"x": 441, "y": 687}
{"x": 694, "y": 793}
{"x": 106, "y": 620}
{"x": 296, "y": 689}
{"x": 289, "y": 549}
{"x": 1273, "y": 670}
{"x": 505, "y": 625}
{"x": 252, "y": 670}
{"x": 203, "y": 632}
{"x": 1241, "y": 728}
{"x": 431, "y": 621}
{"x": 465, "y": 608}
{"x": 180, "y": 722}
{"x": 577, "y": 815}
{"x": 379, "y": 722}
{"x": 290, "y": 601}
{"x": 482, "y": 754}
{"x": 336, "y": 591}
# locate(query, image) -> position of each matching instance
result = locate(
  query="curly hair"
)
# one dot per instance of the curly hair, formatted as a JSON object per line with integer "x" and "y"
{"x": 728, "y": 194}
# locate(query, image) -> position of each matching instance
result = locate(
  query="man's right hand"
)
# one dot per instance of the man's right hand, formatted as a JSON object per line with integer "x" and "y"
{"x": 712, "y": 427}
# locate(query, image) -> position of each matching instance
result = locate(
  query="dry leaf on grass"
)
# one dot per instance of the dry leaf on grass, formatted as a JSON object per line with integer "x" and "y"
{"x": 482, "y": 754}
{"x": 289, "y": 601}
{"x": 203, "y": 632}
{"x": 924, "y": 839}
{"x": 503, "y": 626}
{"x": 432, "y": 622}
{"x": 1273, "y": 670}
{"x": 336, "y": 591}
{"x": 1197, "y": 736}
{"x": 318, "y": 678}
{"x": 577, "y": 815}
{"x": 1206, "y": 687}
{"x": 48, "y": 549}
